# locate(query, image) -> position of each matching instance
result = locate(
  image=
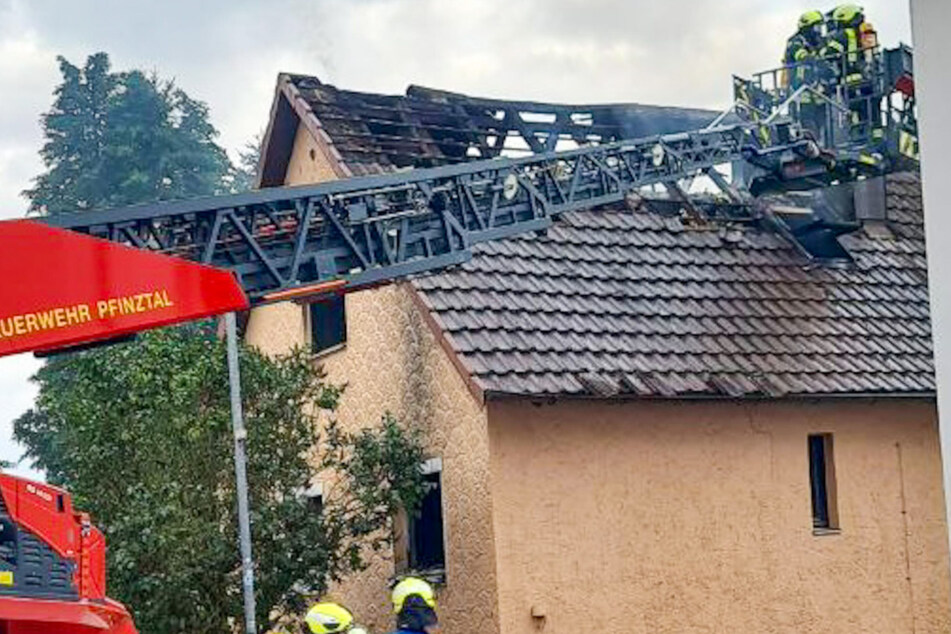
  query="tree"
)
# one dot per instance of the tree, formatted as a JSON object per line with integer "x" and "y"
{"x": 246, "y": 171}
{"x": 140, "y": 434}
{"x": 118, "y": 138}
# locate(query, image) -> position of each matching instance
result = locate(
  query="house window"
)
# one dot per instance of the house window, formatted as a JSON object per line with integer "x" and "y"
{"x": 327, "y": 323}
{"x": 426, "y": 548}
{"x": 315, "y": 498}
{"x": 822, "y": 482}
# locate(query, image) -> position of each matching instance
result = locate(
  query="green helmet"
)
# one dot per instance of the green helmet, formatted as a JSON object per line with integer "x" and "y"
{"x": 810, "y": 19}
{"x": 848, "y": 14}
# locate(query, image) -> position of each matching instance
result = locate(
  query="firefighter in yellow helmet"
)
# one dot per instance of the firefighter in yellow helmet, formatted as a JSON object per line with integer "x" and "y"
{"x": 801, "y": 67}
{"x": 414, "y": 603}
{"x": 807, "y": 40}
{"x": 331, "y": 618}
{"x": 853, "y": 38}
{"x": 854, "y": 41}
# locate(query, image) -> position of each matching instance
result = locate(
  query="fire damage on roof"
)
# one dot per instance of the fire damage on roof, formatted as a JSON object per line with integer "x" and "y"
{"x": 629, "y": 300}
{"x": 370, "y": 133}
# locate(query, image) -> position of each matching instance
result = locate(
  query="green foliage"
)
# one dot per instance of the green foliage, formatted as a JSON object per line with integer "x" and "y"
{"x": 246, "y": 171}
{"x": 118, "y": 138}
{"x": 140, "y": 433}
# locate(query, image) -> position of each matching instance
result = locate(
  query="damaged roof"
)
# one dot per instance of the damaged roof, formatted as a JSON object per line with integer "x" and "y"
{"x": 370, "y": 133}
{"x": 628, "y": 302}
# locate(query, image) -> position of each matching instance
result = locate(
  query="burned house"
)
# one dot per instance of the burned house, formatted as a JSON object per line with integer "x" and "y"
{"x": 661, "y": 426}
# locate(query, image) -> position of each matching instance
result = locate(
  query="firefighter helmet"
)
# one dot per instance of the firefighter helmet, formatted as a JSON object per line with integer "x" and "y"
{"x": 848, "y": 14}
{"x": 328, "y": 618}
{"x": 410, "y": 587}
{"x": 810, "y": 19}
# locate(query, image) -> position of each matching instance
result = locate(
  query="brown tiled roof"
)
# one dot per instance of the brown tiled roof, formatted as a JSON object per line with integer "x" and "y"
{"x": 615, "y": 302}
{"x": 371, "y": 133}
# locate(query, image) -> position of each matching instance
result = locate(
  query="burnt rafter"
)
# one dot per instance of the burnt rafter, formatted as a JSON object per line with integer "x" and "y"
{"x": 370, "y": 230}
{"x": 427, "y": 127}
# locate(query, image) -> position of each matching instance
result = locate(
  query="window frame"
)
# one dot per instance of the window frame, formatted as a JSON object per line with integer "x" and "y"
{"x": 820, "y": 450}
{"x": 315, "y": 497}
{"x": 308, "y": 309}
{"x": 436, "y": 572}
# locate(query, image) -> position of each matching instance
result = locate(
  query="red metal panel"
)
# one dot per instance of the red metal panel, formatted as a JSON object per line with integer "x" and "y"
{"x": 61, "y": 288}
{"x": 36, "y": 507}
{"x": 33, "y": 616}
{"x": 93, "y": 558}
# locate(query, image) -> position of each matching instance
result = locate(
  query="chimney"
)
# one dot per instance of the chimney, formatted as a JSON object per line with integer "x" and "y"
{"x": 869, "y": 200}
{"x": 861, "y": 201}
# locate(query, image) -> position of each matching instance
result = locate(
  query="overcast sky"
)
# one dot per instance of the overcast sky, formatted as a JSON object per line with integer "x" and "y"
{"x": 677, "y": 52}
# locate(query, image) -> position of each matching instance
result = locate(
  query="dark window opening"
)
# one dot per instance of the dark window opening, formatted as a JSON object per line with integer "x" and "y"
{"x": 315, "y": 503}
{"x": 822, "y": 482}
{"x": 8, "y": 541}
{"x": 328, "y": 323}
{"x": 426, "y": 549}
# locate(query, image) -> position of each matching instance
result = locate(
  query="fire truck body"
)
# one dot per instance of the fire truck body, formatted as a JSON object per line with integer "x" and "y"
{"x": 52, "y": 565}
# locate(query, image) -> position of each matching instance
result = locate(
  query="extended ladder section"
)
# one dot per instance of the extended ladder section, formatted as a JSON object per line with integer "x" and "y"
{"x": 358, "y": 232}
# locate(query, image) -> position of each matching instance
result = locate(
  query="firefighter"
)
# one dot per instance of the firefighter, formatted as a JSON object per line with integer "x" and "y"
{"x": 801, "y": 67}
{"x": 330, "y": 618}
{"x": 807, "y": 40}
{"x": 414, "y": 603}
{"x": 853, "y": 40}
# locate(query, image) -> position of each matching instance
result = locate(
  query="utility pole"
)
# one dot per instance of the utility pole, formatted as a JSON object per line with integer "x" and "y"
{"x": 241, "y": 473}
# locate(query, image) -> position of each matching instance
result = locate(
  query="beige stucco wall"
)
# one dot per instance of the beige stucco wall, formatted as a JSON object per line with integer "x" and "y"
{"x": 309, "y": 164}
{"x": 393, "y": 362}
{"x": 651, "y": 517}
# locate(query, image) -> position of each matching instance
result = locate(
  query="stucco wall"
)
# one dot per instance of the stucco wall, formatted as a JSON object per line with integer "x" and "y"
{"x": 651, "y": 517}
{"x": 392, "y": 362}
{"x": 308, "y": 162}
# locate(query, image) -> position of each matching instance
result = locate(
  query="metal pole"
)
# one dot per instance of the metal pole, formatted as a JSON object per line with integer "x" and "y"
{"x": 241, "y": 473}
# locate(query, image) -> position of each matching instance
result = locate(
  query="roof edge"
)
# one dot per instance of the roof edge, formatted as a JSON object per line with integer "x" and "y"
{"x": 493, "y": 395}
{"x": 313, "y": 125}
{"x": 288, "y": 111}
{"x": 438, "y": 329}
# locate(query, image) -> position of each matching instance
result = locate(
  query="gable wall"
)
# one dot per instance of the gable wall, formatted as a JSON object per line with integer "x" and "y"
{"x": 392, "y": 362}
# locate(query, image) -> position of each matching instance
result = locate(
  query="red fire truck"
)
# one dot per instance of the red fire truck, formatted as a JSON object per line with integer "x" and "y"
{"x": 52, "y": 565}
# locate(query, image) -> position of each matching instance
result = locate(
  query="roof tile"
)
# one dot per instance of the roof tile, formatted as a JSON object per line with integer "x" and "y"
{"x": 617, "y": 302}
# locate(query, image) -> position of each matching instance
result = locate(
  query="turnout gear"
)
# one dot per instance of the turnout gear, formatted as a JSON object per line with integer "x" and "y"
{"x": 854, "y": 40}
{"x": 804, "y": 67}
{"x": 804, "y": 44}
{"x": 802, "y": 49}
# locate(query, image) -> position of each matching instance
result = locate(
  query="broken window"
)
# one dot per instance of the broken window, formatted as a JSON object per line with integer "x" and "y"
{"x": 327, "y": 323}
{"x": 426, "y": 547}
{"x": 314, "y": 497}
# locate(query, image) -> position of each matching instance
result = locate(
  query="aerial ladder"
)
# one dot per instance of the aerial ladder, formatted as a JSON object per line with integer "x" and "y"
{"x": 350, "y": 234}
{"x": 336, "y": 237}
